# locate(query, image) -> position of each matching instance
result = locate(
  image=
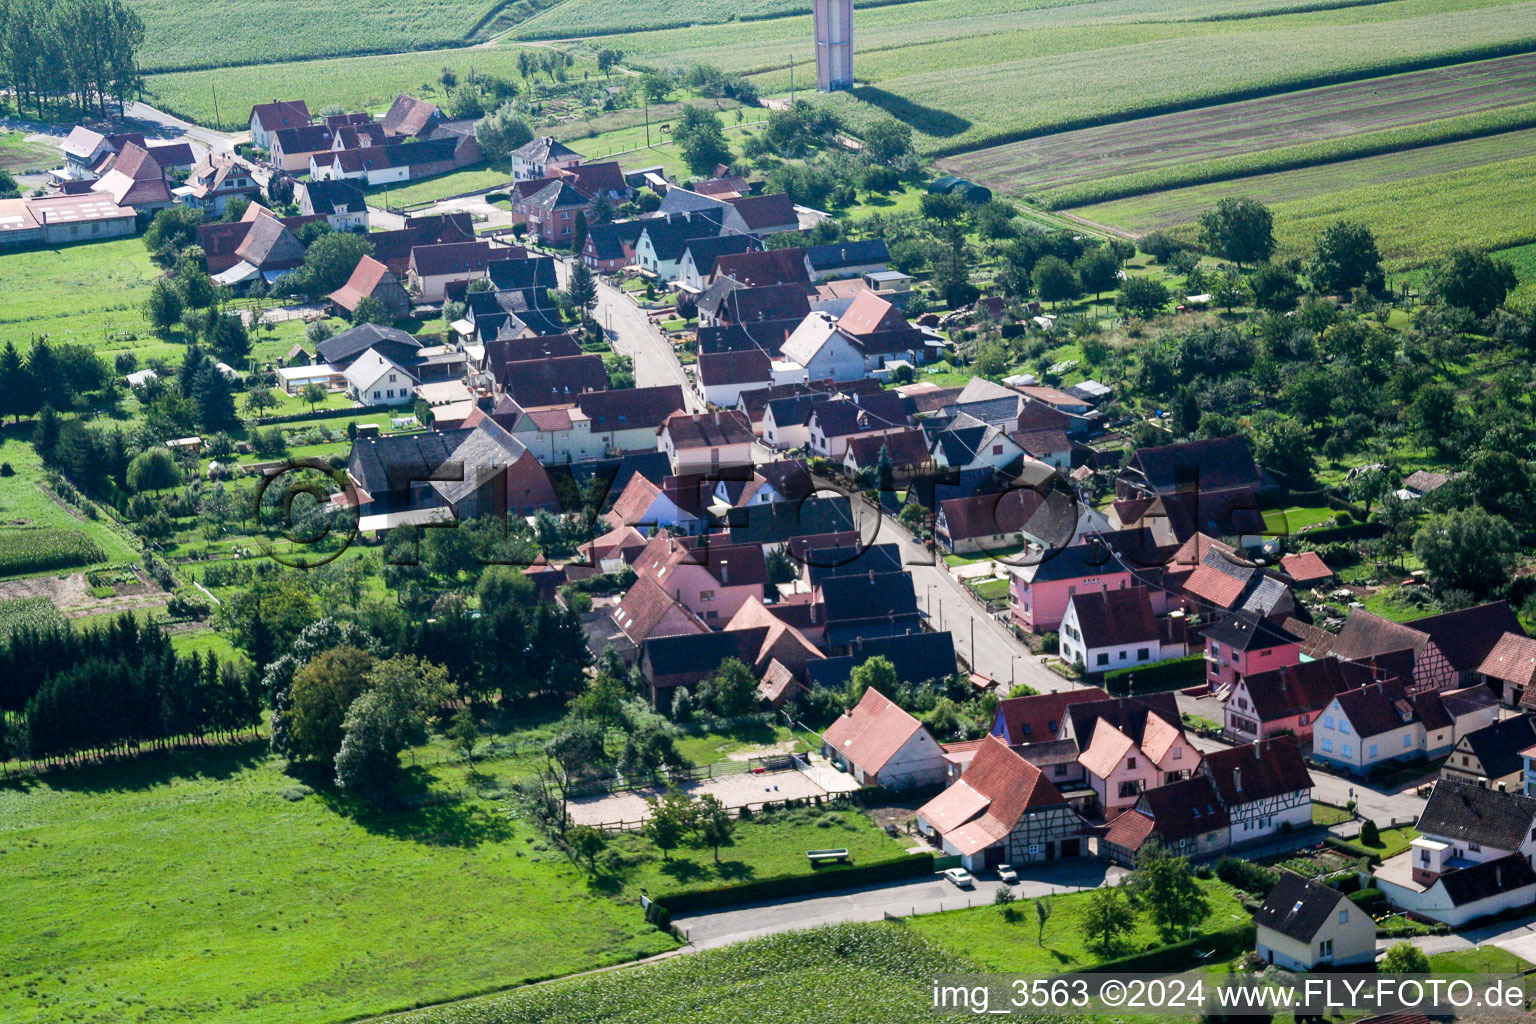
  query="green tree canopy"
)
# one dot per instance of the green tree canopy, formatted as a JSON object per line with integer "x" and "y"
{"x": 1240, "y": 229}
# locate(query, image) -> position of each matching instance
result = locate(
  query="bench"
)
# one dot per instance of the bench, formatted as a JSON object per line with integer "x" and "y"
{"x": 826, "y": 856}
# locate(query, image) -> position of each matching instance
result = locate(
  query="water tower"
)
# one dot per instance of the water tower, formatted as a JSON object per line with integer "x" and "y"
{"x": 834, "y": 44}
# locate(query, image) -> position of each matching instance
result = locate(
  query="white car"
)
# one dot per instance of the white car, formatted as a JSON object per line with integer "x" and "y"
{"x": 1006, "y": 874}
{"x": 960, "y": 877}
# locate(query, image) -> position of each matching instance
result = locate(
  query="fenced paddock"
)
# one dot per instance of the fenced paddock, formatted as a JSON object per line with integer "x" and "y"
{"x": 623, "y": 810}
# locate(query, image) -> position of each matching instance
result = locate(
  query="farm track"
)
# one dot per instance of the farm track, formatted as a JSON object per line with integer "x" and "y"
{"x": 1272, "y": 122}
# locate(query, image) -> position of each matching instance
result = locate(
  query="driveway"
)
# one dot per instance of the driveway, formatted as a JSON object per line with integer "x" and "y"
{"x": 927, "y": 895}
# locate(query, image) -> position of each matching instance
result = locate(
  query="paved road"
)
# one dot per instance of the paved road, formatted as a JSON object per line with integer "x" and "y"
{"x": 1517, "y": 937}
{"x": 218, "y": 142}
{"x": 926, "y": 895}
{"x": 632, "y": 334}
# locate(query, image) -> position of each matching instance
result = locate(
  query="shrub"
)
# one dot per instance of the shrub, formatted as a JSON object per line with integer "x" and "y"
{"x": 1246, "y": 875}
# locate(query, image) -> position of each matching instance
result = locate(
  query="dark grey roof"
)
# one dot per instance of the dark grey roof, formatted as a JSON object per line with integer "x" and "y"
{"x": 847, "y": 254}
{"x": 670, "y": 235}
{"x": 535, "y": 272}
{"x": 1462, "y": 811}
{"x": 708, "y": 249}
{"x": 824, "y": 563}
{"x": 1297, "y": 907}
{"x": 325, "y": 195}
{"x": 917, "y": 657}
{"x": 868, "y": 596}
{"x": 779, "y": 521}
{"x": 350, "y": 344}
{"x": 1248, "y": 633}
{"x": 1490, "y": 878}
{"x": 700, "y": 654}
{"x": 607, "y": 240}
{"x": 1498, "y": 746}
{"x": 392, "y": 463}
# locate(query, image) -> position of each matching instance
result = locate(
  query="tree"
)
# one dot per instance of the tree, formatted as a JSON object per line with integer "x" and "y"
{"x": 163, "y": 307}
{"x": 1468, "y": 550}
{"x": 582, "y": 289}
{"x": 1142, "y": 296}
{"x": 672, "y": 817}
{"x": 312, "y": 395}
{"x": 886, "y": 140}
{"x": 731, "y": 691}
{"x": 579, "y": 233}
{"x": 1167, "y": 886}
{"x": 370, "y": 309}
{"x": 656, "y": 85}
{"x": 601, "y": 702}
{"x": 17, "y": 396}
{"x": 258, "y": 400}
{"x": 1055, "y": 280}
{"x": 716, "y": 826}
{"x": 153, "y": 469}
{"x": 319, "y": 699}
{"x": 941, "y": 206}
{"x": 1370, "y": 835}
{"x": 700, "y": 136}
{"x": 1098, "y": 269}
{"x": 1403, "y": 958}
{"x": 463, "y": 731}
{"x": 214, "y": 510}
{"x": 1239, "y": 229}
{"x": 1471, "y": 280}
{"x": 328, "y": 263}
{"x": 402, "y": 694}
{"x": 607, "y": 60}
{"x": 875, "y": 673}
{"x": 1160, "y": 245}
{"x": 215, "y": 401}
{"x": 1107, "y": 917}
{"x": 1284, "y": 446}
{"x": 586, "y": 841}
{"x": 1345, "y": 258}
{"x": 500, "y": 132}
{"x": 1043, "y": 908}
{"x": 172, "y": 230}
{"x": 1274, "y": 288}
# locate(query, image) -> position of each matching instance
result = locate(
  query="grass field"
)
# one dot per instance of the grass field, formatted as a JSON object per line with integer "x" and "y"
{"x": 1268, "y": 134}
{"x": 1418, "y": 215}
{"x": 191, "y": 885}
{"x": 1523, "y": 259}
{"x": 853, "y": 973}
{"x": 19, "y": 156}
{"x": 1000, "y": 944}
{"x": 441, "y": 186}
{"x": 25, "y": 510}
{"x": 90, "y": 293}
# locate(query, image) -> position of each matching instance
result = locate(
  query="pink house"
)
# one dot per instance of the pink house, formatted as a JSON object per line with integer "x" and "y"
{"x": 711, "y": 580}
{"x": 1039, "y": 594}
{"x": 1243, "y": 645}
{"x": 1128, "y": 746}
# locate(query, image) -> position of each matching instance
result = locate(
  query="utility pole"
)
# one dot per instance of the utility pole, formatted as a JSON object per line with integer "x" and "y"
{"x": 647, "y": 122}
{"x": 791, "y": 79}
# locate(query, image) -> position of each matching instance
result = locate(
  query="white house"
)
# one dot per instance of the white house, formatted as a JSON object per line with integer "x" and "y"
{"x": 1378, "y": 724}
{"x": 822, "y": 351}
{"x": 373, "y": 379}
{"x": 1303, "y": 925}
{"x": 647, "y": 508}
{"x": 882, "y": 745}
{"x": 706, "y": 442}
{"x": 541, "y": 157}
{"x": 1106, "y": 630}
{"x": 1265, "y": 787}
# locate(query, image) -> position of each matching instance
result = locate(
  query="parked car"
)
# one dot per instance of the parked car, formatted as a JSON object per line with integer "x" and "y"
{"x": 960, "y": 877}
{"x": 1006, "y": 873}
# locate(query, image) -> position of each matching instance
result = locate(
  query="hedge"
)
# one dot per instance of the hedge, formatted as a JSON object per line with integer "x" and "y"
{"x": 1164, "y": 675}
{"x": 1226, "y": 944}
{"x": 829, "y": 877}
{"x": 1350, "y": 849}
{"x": 1372, "y": 901}
{"x": 1331, "y": 534}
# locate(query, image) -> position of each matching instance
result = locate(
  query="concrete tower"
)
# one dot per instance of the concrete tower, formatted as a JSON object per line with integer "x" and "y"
{"x": 834, "y": 44}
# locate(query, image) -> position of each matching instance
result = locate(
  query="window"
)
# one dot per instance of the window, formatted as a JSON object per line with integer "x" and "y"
{"x": 1178, "y": 753}
{"x": 1028, "y": 728}
{"x": 1124, "y": 655}
{"x": 1060, "y": 769}
{"x": 1344, "y": 917}
{"x": 1347, "y": 750}
{"x": 1408, "y": 739}
{"x": 1373, "y": 750}
{"x": 1215, "y": 649}
{"x": 391, "y": 378}
{"x": 1344, "y": 726}
{"x": 1328, "y": 721}
{"x": 1102, "y": 659}
{"x": 1328, "y": 745}
{"x": 1131, "y": 788}
{"x": 375, "y": 394}
{"x": 1143, "y": 653}
{"x": 1304, "y": 719}
{"x": 706, "y": 595}
{"x": 1475, "y": 847}
{"x": 997, "y": 449}
{"x": 1130, "y": 762}
{"x": 1325, "y": 948}
{"x": 1051, "y": 726}
{"x": 1034, "y": 849}
{"x": 390, "y": 393}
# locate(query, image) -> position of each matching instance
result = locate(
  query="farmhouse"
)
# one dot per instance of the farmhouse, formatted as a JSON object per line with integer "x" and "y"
{"x": 882, "y": 745}
{"x": 1264, "y": 787}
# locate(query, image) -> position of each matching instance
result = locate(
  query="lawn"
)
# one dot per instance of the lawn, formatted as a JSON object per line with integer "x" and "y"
{"x": 628, "y": 144}
{"x": 206, "y": 885}
{"x": 91, "y": 293}
{"x": 709, "y": 747}
{"x": 19, "y": 156}
{"x": 25, "y": 508}
{"x": 1484, "y": 960}
{"x": 441, "y": 186}
{"x": 1284, "y": 521}
{"x": 998, "y": 944}
{"x": 1416, "y": 219}
{"x": 1328, "y": 814}
{"x": 1393, "y": 842}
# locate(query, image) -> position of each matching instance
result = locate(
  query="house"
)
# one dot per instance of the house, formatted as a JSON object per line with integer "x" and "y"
{"x": 1128, "y": 746}
{"x": 393, "y": 248}
{"x": 1108, "y": 629}
{"x": 968, "y": 443}
{"x": 1214, "y": 578}
{"x": 613, "y": 550}
{"x": 278, "y": 115}
{"x": 882, "y": 745}
{"x": 433, "y": 268}
{"x": 830, "y": 426}
{"x": 1303, "y": 924}
{"x": 728, "y": 302}
{"x": 1373, "y": 725}
{"x": 849, "y": 560}
{"x": 706, "y": 442}
{"x": 374, "y": 379}
{"x": 55, "y": 220}
{"x": 1219, "y": 472}
{"x": 696, "y": 270}
{"x": 86, "y": 152}
{"x": 1473, "y": 856}
{"x": 214, "y": 182}
{"x": 723, "y": 376}
{"x": 660, "y": 247}
{"x": 551, "y": 212}
{"x": 371, "y": 279}
{"x": 784, "y": 480}
{"x": 711, "y": 580}
{"x": 1002, "y": 810}
{"x": 1040, "y": 589}
{"x": 1306, "y": 569}
{"x": 541, "y": 383}
{"x": 779, "y": 523}
{"x": 644, "y": 505}
{"x": 135, "y": 179}
{"x": 823, "y": 351}
{"x": 846, "y": 259}
{"x": 1185, "y": 818}
{"x": 1288, "y": 700}
{"x": 905, "y": 452}
{"x": 863, "y": 606}
{"x": 916, "y": 657}
{"x": 541, "y": 157}
{"x": 784, "y": 418}
{"x": 684, "y": 660}
{"x": 1490, "y": 756}
{"x": 647, "y": 610}
{"x": 290, "y": 149}
{"x": 1038, "y": 717}
{"x": 341, "y": 349}
{"x": 1421, "y": 483}
{"x": 762, "y": 268}
{"x": 1510, "y": 668}
{"x": 611, "y": 247}
{"x": 1242, "y": 645}
{"x": 1443, "y": 650}
{"x": 259, "y": 246}
{"x": 601, "y": 423}
{"x": 782, "y": 642}
{"x": 431, "y": 476}
{"x": 1264, "y": 787}
{"x": 408, "y": 117}
{"x": 341, "y": 203}
{"x": 882, "y": 334}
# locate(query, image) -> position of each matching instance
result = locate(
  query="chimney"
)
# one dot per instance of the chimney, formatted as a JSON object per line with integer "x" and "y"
{"x": 1237, "y": 779}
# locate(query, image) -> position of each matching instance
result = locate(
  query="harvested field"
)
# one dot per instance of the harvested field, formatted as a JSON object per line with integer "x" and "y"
{"x": 1133, "y": 147}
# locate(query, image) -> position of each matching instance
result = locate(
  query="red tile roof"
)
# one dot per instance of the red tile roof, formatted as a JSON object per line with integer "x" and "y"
{"x": 1513, "y": 659}
{"x": 870, "y": 313}
{"x": 1035, "y": 719}
{"x": 366, "y": 277}
{"x": 762, "y": 269}
{"x": 1257, "y": 771}
{"x": 871, "y": 733}
{"x": 1305, "y": 567}
{"x": 707, "y": 430}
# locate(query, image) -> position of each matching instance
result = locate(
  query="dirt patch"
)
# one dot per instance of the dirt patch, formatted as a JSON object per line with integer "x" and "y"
{"x": 62, "y": 591}
{"x": 787, "y": 747}
{"x": 745, "y": 790}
